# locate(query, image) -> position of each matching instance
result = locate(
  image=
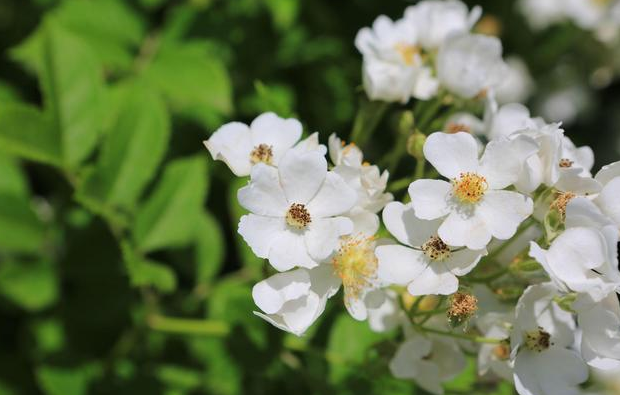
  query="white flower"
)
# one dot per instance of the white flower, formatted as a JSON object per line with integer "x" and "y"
{"x": 600, "y": 339}
{"x": 292, "y": 301}
{"x": 607, "y": 200}
{"x": 471, "y": 65}
{"x": 540, "y": 14}
{"x": 388, "y": 315}
{"x": 266, "y": 140}
{"x": 464, "y": 122}
{"x": 429, "y": 361}
{"x": 579, "y": 259}
{"x": 393, "y": 69}
{"x": 295, "y": 210}
{"x": 518, "y": 84}
{"x": 495, "y": 358}
{"x": 506, "y": 120}
{"x": 367, "y": 181}
{"x": 474, "y": 204}
{"x": 435, "y": 20}
{"x": 544, "y": 363}
{"x": 427, "y": 265}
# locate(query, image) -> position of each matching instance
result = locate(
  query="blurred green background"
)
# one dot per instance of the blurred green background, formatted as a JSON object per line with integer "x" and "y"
{"x": 113, "y": 219}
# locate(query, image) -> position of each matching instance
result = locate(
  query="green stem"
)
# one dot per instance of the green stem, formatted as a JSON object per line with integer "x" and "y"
{"x": 186, "y": 326}
{"x": 367, "y": 118}
{"x": 419, "y": 168}
{"x": 400, "y": 184}
{"x": 524, "y": 227}
{"x": 473, "y": 338}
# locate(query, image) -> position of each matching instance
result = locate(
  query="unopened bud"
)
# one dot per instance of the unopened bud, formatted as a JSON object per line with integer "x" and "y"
{"x": 406, "y": 122}
{"x": 415, "y": 145}
{"x": 524, "y": 265}
{"x": 565, "y": 302}
{"x": 462, "y": 307}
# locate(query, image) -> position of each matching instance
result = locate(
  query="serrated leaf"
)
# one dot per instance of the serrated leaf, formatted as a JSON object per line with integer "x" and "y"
{"x": 169, "y": 218}
{"x": 132, "y": 151}
{"x": 193, "y": 79}
{"x": 13, "y": 180}
{"x": 32, "y": 286}
{"x": 348, "y": 344}
{"x": 20, "y": 228}
{"x": 71, "y": 79}
{"x": 26, "y": 133}
{"x": 210, "y": 246}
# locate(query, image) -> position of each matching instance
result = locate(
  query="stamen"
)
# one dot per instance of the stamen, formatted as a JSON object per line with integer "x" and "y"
{"x": 298, "y": 216}
{"x": 436, "y": 249}
{"x": 408, "y": 52}
{"x": 538, "y": 340}
{"x": 565, "y": 163}
{"x": 262, "y": 153}
{"x": 462, "y": 307}
{"x": 356, "y": 265}
{"x": 454, "y": 127}
{"x": 502, "y": 351}
{"x": 469, "y": 187}
{"x": 561, "y": 201}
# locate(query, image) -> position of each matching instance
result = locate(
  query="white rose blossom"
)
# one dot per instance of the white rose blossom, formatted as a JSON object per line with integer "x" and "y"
{"x": 474, "y": 203}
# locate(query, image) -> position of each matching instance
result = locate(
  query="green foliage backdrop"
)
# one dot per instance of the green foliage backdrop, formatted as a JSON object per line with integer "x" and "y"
{"x": 120, "y": 268}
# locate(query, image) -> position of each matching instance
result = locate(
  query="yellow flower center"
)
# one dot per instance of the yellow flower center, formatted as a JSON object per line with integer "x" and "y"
{"x": 356, "y": 264}
{"x": 436, "y": 249}
{"x": 561, "y": 201}
{"x": 469, "y": 187}
{"x": 298, "y": 216}
{"x": 262, "y": 153}
{"x": 538, "y": 340}
{"x": 408, "y": 52}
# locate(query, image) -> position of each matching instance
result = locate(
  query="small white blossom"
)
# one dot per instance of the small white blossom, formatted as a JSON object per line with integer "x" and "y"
{"x": 495, "y": 358}
{"x": 426, "y": 264}
{"x": 295, "y": 211}
{"x": 266, "y": 140}
{"x": 541, "y": 341}
{"x": 471, "y": 65}
{"x": 608, "y": 199}
{"x": 474, "y": 204}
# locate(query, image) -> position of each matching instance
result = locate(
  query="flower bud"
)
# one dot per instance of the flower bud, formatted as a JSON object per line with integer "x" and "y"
{"x": 415, "y": 145}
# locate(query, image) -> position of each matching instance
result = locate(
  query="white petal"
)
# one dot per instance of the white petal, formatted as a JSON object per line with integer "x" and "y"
{"x": 232, "y": 143}
{"x": 452, "y": 154}
{"x": 364, "y": 221}
{"x": 401, "y": 222}
{"x": 608, "y": 173}
{"x": 260, "y": 232}
{"x": 503, "y": 160}
{"x": 271, "y": 294}
{"x": 555, "y": 371}
{"x": 334, "y": 197}
{"x": 571, "y": 181}
{"x": 263, "y": 195}
{"x": 399, "y": 264}
{"x": 289, "y": 250}
{"x": 301, "y": 175}
{"x": 279, "y": 133}
{"x": 462, "y": 262}
{"x": 435, "y": 280}
{"x": 503, "y": 211}
{"x": 581, "y": 211}
{"x": 430, "y": 198}
{"x": 609, "y": 200}
{"x": 461, "y": 228}
{"x": 323, "y": 236}
{"x": 407, "y": 363}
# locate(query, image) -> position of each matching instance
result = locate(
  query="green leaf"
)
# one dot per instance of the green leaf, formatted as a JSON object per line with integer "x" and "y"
{"x": 31, "y": 286}
{"x": 110, "y": 26}
{"x": 222, "y": 374}
{"x": 277, "y": 98}
{"x": 283, "y": 12}
{"x": 210, "y": 246}
{"x": 49, "y": 335}
{"x": 465, "y": 381}
{"x": 66, "y": 381}
{"x": 13, "y": 180}
{"x": 169, "y": 218}
{"x": 20, "y": 228}
{"x": 193, "y": 79}
{"x": 71, "y": 79}
{"x": 179, "y": 377}
{"x": 151, "y": 273}
{"x": 7, "y": 93}
{"x": 132, "y": 151}
{"x": 25, "y": 132}
{"x": 348, "y": 344}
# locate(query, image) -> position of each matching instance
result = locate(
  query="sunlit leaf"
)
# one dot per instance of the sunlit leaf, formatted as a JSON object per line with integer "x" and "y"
{"x": 32, "y": 286}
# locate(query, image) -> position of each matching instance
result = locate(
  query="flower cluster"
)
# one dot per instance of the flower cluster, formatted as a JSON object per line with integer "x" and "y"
{"x": 508, "y": 233}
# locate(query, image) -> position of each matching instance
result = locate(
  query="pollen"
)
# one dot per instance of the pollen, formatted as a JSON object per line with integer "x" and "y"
{"x": 561, "y": 201}
{"x": 538, "y": 340}
{"x": 469, "y": 187}
{"x": 298, "y": 216}
{"x": 454, "y": 127}
{"x": 565, "y": 163}
{"x": 356, "y": 265}
{"x": 502, "y": 351}
{"x": 462, "y": 307}
{"x": 436, "y": 249}
{"x": 262, "y": 153}
{"x": 408, "y": 52}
